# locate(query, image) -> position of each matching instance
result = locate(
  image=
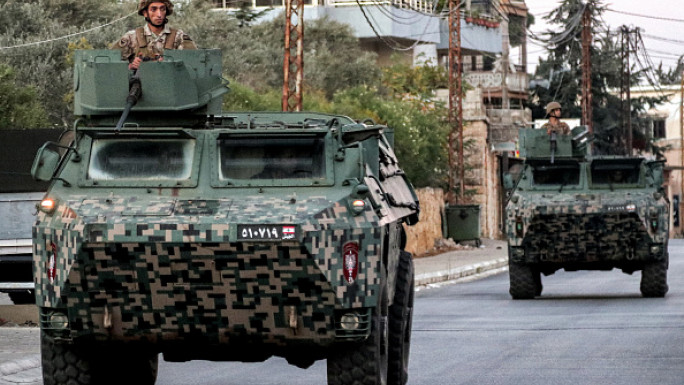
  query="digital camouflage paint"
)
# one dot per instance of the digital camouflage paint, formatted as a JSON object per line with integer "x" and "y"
{"x": 573, "y": 211}
{"x": 216, "y": 236}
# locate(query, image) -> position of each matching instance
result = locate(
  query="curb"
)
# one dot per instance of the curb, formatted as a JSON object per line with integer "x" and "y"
{"x": 460, "y": 272}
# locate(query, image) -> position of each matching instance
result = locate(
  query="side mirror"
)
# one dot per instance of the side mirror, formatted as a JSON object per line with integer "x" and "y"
{"x": 45, "y": 164}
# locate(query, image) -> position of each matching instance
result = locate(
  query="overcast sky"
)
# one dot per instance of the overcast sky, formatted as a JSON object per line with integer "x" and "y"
{"x": 666, "y": 52}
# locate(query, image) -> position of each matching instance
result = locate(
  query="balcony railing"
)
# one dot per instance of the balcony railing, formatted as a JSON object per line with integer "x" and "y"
{"x": 235, "y": 4}
{"x": 414, "y": 5}
{"x": 516, "y": 82}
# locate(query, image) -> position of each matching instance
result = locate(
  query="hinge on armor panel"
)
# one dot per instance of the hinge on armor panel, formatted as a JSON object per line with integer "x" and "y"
{"x": 292, "y": 319}
{"x": 107, "y": 318}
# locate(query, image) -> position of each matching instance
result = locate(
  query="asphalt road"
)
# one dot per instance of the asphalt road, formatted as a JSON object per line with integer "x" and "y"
{"x": 587, "y": 328}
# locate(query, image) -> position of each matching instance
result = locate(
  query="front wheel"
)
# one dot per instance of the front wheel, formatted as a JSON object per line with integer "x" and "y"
{"x": 71, "y": 364}
{"x": 400, "y": 320}
{"x": 65, "y": 363}
{"x": 654, "y": 280}
{"x": 523, "y": 283}
{"x": 364, "y": 363}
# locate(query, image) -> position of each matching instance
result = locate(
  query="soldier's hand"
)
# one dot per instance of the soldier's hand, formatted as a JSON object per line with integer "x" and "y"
{"x": 135, "y": 64}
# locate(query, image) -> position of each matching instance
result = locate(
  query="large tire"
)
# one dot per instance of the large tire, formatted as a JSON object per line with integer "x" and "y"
{"x": 400, "y": 321}
{"x": 364, "y": 363}
{"x": 654, "y": 280}
{"x": 523, "y": 284}
{"x": 64, "y": 363}
{"x": 71, "y": 364}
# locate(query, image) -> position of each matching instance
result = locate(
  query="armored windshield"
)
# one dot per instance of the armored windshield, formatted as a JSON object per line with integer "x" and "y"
{"x": 612, "y": 172}
{"x": 555, "y": 174}
{"x": 272, "y": 158}
{"x": 141, "y": 159}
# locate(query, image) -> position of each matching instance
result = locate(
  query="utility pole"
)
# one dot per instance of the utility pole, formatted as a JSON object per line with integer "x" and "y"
{"x": 293, "y": 63}
{"x": 505, "y": 64}
{"x": 455, "y": 106}
{"x": 625, "y": 88}
{"x": 586, "y": 68}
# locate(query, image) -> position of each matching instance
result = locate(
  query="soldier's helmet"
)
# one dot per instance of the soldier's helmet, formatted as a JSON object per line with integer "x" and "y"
{"x": 552, "y": 106}
{"x": 146, "y": 3}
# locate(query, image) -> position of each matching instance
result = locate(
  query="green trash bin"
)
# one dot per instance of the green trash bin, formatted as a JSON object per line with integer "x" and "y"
{"x": 463, "y": 223}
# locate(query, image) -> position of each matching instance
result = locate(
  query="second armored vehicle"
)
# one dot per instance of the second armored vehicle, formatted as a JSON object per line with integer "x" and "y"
{"x": 577, "y": 212}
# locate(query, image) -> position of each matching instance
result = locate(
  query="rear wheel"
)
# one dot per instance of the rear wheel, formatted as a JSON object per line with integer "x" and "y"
{"x": 364, "y": 363}
{"x": 400, "y": 320}
{"x": 523, "y": 284}
{"x": 70, "y": 364}
{"x": 654, "y": 280}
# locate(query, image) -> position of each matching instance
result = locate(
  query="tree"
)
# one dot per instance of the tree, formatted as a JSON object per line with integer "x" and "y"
{"x": 43, "y": 66}
{"x": 563, "y": 69}
{"x": 19, "y": 105}
{"x": 671, "y": 76}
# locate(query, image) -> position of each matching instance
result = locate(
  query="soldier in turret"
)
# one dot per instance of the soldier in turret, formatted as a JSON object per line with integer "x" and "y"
{"x": 149, "y": 41}
{"x": 553, "y": 111}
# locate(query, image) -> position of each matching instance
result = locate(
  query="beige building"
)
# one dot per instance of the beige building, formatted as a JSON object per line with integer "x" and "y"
{"x": 666, "y": 130}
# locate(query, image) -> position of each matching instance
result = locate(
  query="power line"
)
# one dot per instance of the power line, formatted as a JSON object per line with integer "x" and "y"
{"x": 69, "y": 35}
{"x": 665, "y": 39}
{"x": 646, "y": 16}
{"x": 391, "y": 43}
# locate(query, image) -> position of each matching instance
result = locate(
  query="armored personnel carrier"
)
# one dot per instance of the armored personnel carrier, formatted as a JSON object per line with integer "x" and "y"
{"x": 573, "y": 211}
{"x": 227, "y": 237}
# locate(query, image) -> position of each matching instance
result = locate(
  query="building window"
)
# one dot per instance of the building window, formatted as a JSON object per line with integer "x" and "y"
{"x": 269, "y": 3}
{"x": 468, "y": 63}
{"x": 659, "y": 129}
{"x": 220, "y": 3}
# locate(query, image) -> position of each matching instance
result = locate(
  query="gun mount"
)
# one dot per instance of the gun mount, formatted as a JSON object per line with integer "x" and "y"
{"x": 183, "y": 89}
{"x": 538, "y": 144}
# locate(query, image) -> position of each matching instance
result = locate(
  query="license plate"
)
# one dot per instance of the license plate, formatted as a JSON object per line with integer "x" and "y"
{"x": 266, "y": 232}
{"x": 624, "y": 208}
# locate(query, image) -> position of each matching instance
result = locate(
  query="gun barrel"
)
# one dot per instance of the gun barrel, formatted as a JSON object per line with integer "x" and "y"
{"x": 134, "y": 94}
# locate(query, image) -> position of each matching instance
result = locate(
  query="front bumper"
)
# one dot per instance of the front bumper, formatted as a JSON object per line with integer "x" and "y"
{"x": 586, "y": 238}
{"x": 209, "y": 294}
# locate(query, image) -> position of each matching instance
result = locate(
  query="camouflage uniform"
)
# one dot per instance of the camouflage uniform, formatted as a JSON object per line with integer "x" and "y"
{"x": 560, "y": 128}
{"x": 154, "y": 44}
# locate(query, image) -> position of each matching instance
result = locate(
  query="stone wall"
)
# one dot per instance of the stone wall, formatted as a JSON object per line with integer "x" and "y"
{"x": 421, "y": 237}
{"x": 482, "y": 181}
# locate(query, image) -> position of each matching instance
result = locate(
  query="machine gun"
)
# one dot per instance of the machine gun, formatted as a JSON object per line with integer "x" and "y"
{"x": 134, "y": 94}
